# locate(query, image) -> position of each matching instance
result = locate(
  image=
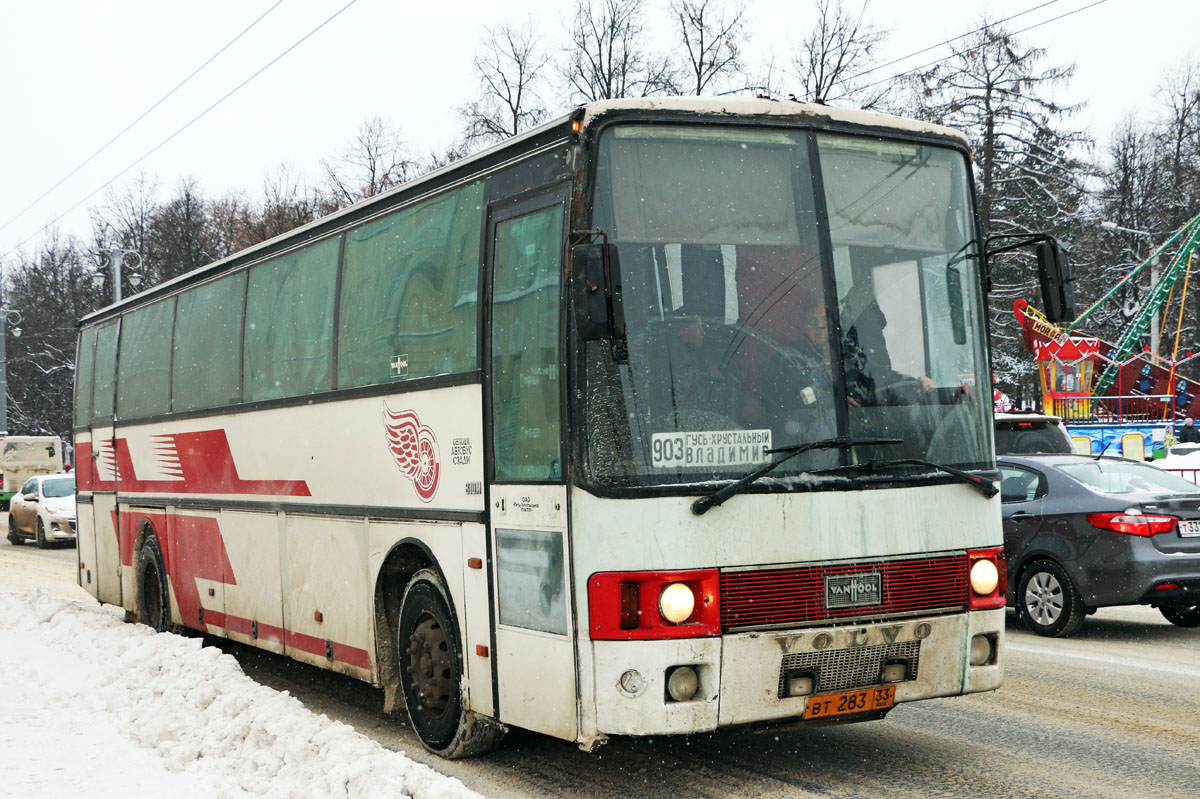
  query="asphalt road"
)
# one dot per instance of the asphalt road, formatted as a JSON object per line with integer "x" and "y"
{"x": 63, "y": 552}
{"x": 1113, "y": 712}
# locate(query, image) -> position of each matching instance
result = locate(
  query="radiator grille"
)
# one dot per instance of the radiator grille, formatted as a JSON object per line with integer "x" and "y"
{"x": 845, "y": 669}
{"x": 796, "y": 596}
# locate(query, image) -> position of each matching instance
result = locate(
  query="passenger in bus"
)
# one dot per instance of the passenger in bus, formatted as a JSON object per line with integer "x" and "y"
{"x": 796, "y": 382}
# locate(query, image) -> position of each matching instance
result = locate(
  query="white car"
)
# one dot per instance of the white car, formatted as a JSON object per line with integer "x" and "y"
{"x": 1183, "y": 460}
{"x": 44, "y": 510}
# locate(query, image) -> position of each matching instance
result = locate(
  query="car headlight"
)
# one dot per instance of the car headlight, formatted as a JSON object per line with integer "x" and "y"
{"x": 984, "y": 577}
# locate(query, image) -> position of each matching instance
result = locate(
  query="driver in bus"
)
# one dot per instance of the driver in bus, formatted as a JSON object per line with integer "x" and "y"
{"x": 870, "y": 378}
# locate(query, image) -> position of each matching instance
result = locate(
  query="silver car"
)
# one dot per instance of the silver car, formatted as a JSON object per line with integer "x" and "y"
{"x": 44, "y": 510}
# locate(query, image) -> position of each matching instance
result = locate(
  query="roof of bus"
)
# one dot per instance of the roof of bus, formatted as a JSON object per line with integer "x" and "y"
{"x": 749, "y": 107}
{"x": 721, "y": 107}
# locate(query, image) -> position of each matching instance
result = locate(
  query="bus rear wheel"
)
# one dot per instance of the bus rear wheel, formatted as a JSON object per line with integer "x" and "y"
{"x": 429, "y": 653}
{"x": 154, "y": 605}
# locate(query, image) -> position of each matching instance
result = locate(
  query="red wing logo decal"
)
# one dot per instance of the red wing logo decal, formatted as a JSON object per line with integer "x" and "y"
{"x": 414, "y": 448}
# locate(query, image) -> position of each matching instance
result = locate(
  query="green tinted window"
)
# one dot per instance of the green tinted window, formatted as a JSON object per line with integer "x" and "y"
{"x": 409, "y": 284}
{"x": 85, "y": 358}
{"x": 208, "y": 345}
{"x": 106, "y": 371}
{"x": 525, "y": 401}
{"x": 289, "y": 324}
{"x": 144, "y": 367}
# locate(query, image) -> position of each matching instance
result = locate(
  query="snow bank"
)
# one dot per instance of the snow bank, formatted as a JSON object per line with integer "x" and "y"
{"x": 90, "y": 705}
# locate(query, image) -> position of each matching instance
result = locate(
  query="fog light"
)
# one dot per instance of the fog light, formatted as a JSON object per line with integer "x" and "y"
{"x": 801, "y": 685}
{"x": 984, "y": 577}
{"x": 676, "y": 603}
{"x": 896, "y": 671}
{"x": 682, "y": 683}
{"x": 982, "y": 650}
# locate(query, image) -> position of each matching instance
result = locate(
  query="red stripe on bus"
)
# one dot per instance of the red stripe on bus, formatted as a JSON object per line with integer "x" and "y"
{"x": 193, "y": 549}
{"x": 205, "y": 466}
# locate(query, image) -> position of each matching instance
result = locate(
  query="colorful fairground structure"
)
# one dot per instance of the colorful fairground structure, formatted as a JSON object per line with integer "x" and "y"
{"x": 1122, "y": 397}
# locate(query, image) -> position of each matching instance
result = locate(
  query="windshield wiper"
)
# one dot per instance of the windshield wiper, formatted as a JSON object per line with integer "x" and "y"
{"x": 985, "y": 487}
{"x": 719, "y": 496}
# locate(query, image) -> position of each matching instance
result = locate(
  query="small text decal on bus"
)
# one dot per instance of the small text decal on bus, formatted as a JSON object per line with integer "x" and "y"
{"x": 414, "y": 447}
{"x": 706, "y": 449}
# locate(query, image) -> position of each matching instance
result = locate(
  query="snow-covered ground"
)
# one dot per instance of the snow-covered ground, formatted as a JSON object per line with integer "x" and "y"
{"x": 91, "y": 706}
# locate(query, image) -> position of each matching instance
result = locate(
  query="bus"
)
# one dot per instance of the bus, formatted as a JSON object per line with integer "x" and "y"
{"x": 665, "y": 416}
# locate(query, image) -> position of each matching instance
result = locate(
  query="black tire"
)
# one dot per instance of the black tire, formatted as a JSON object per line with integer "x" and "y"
{"x": 1181, "y": 615}
{"x": 1047, "y": 601}
{"x": 14, "y": 533}
{"x": 154, "y": 603}
{"x": 429, "y": 653}
{"x": 40, "y": 535}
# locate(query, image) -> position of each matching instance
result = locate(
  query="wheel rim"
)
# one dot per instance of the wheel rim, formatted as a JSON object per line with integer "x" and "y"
{"x": 1044, "y": 598}
{"x": 431, "y": 666}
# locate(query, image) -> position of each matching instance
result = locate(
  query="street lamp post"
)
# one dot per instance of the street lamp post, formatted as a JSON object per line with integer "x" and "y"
{"x": 116, "y": 256}
{"x": 1154, "y": 332}
{"x": 15, "y": 316}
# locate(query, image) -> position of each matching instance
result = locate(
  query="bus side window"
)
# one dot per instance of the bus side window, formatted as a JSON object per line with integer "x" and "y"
{"x": 409, "y": 285}
{"x": 289, "y": 323}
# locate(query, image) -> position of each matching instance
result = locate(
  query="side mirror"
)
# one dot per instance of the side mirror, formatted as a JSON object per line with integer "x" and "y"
{"x": 30, "y": 497}
{"x": 597, "y": 291}
{"x": 1054, "y": 274}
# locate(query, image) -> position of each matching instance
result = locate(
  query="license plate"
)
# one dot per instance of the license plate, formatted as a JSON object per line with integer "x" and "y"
{"x": 841, "y": 704}
{"x": 1189, "y": 529}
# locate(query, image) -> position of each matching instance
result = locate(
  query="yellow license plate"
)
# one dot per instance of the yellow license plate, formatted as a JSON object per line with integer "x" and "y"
{"x": 841, "y": 704}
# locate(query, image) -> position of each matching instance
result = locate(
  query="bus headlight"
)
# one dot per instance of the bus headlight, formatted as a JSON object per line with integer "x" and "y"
{"x": 984, "y": 577}
{"x": 676, "y": 603}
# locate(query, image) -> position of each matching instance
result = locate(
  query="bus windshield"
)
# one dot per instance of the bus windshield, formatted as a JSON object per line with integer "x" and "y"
{"x": 783, "y": 287}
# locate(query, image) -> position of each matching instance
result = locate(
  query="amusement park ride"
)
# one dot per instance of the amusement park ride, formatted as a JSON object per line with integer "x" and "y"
{"x": 1118, "y": 393}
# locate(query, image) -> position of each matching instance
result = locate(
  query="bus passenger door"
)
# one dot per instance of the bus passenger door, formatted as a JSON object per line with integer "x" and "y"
{"x": 534, "y": 651}
{"x": 104, "y": 469}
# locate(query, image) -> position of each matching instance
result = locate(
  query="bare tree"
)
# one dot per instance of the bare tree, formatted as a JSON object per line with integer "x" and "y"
{"x": 510, "y": 65}
{"x": 608, "y": 56}
{"x": 51, "y": 289}
{"x": 840, "y": 47}
{"x": 712, "y": 33}
{"x": 374, "y": 162}
{"x": 287, "y": 203}
{"x": 125, "y": 217}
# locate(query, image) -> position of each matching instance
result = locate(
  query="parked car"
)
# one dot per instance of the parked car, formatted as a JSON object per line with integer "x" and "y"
{"x": 1183, "y": 460}
{"x": 44, "y": 510}
{"x": 1082, "y": 533}
{"x": 1025, "y": 433}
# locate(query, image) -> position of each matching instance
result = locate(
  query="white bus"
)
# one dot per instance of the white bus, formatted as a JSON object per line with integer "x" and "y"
{"x": 665, "y": 416}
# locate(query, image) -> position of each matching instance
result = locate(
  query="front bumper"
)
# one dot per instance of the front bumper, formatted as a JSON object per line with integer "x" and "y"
{"x": 60, "y": 528}
{"x": 742, "y": 675}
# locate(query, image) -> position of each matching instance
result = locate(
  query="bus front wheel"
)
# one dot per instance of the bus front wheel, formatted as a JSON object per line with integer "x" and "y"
{"x": 430, "y": 659}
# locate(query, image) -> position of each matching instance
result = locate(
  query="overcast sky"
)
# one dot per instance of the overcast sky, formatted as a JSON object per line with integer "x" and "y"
{"x": 76, "y": 72}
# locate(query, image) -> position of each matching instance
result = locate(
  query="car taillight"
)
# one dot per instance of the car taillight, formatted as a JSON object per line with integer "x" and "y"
{"x": 987, "y": 578}
{"x": 637, "y": 605}
{"x": 1133, "y": 524}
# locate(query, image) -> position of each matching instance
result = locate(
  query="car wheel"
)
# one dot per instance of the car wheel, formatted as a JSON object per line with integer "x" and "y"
{"x": 154, "y": 605}
{"x": 14, "y": 534}
{"x": 1047, "y": 601}
{"x": 1182, "y": 615}
{"x": 430, "y": 659}
{"x": 40, "y": 535}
